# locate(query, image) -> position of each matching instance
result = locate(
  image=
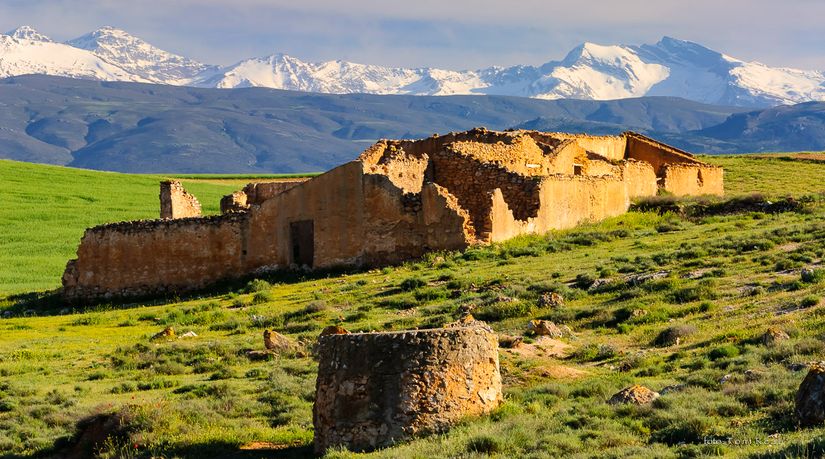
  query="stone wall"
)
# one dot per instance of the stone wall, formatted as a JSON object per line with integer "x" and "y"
{"x": 176, "y": 202}
{"x": 376, "y": 389}
{"x": 399, "y": 200}
{"x": 693, "y": 180}
{"x": 144, "y": 258}
{"x": 258, "y": 192}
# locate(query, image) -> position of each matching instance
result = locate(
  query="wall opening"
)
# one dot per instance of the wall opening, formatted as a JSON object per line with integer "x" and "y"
{"x": 302, "y": 240}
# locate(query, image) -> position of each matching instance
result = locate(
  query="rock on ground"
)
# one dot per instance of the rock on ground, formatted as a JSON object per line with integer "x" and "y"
{"x": 810, "y": 398}
{"x": 635, "y": 394}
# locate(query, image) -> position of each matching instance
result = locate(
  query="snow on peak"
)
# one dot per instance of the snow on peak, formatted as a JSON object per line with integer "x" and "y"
{"x": 28, "y": 33}
{"x": 139, "y": 57}
{"x": 670, "y": 67}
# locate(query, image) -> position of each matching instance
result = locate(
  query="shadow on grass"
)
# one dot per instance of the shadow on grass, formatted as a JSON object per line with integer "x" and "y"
{"x": 231, "y": 451}
{"x": 52, "y": 303}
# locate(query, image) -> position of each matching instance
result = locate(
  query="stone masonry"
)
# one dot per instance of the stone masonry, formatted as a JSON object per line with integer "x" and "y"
{"x": 399, "y": 200}
{"x": 376, "y": 389}
{"x": 176, "y": 202}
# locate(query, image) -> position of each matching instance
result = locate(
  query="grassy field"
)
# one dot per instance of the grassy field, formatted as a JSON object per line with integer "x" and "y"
{"x": 45, "y": 209}
{"x": 728, "y": 277}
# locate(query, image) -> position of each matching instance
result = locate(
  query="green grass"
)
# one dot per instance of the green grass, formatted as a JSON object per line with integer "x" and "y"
{"x": 45, "y": 209}
{"x": 728, "y": 279}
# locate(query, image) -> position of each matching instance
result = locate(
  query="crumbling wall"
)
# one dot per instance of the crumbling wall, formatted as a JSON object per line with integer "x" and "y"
{"x": 565, "y": 201}
{"x": 693, "y": 179}
{"x": 235, "y": 202}
{"x": 376, "y": 389}
{"x": 655, "y": 153}
{"x": 154, "y": 257}
{"x": 565, "y": 157}
{"x": 611, "y": 147}
{"x": 258, "y": 192}
{"x": 176, "y": 202}
{"x": 639, "y": 179}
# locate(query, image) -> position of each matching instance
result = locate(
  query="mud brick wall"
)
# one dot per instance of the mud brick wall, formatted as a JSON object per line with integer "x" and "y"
{"x": 375, "y": 389}
{"x": 258, "y": 192}
{"x": 143, "y": 258}
{"x": 176, "y": 202}
{"x": 693, "y": 179}
{"x": 472, "y": 182}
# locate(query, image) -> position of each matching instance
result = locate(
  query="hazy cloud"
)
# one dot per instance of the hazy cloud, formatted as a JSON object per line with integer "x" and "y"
{"x": 453, "y": 34}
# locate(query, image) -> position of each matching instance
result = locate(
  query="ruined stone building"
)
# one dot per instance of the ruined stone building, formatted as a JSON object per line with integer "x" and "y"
{"x": 398, "y": 200}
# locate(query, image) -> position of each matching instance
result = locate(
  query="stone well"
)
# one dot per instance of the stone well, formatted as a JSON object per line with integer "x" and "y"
{"x": 376, "y": 389}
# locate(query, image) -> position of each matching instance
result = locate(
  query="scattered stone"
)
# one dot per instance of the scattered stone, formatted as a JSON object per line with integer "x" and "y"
{"x": 277, "y": 342}
{"x": 638, "y": 279}
{"x": 7, "y": 314}
{"x": 376, "y": 389}
{"x": 94, "y": 431}
{"x": 235, "y": 202}
{"x": 544, "y": 328}
{"x": 810, "y": 398}
{"x": 672, "y": 388}
{"x": 65, "y": 311}
{"x": 466, "y": 309}
{"x": 725, "y": 378}
{"x": 774, "y": 336}
{"x": 754, "y": 375}
{"x": 600, "y": 284}
{"x": 551, "y": 299}
{"x": 635, "y": 394}
{"x": 168, "y": 333}
{"x": 510, "y": 342}
{"x": 189, "y": 334}
{"x": 334, "y": 330}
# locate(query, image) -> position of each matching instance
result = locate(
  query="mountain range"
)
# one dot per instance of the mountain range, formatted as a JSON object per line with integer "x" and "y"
{"x": 671, "y": 67}
{"x": 139, "y": 127}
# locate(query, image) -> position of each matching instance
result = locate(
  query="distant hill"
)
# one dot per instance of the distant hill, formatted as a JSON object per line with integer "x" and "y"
{"x": 146, "y": 128}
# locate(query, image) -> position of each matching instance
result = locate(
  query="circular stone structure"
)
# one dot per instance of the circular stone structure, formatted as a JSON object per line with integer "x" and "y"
{"x": 376, "y": 389}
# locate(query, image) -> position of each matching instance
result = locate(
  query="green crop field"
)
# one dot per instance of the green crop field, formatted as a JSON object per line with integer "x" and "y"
{"x": 730, "y": 270}
{"x": 45, "y": 209}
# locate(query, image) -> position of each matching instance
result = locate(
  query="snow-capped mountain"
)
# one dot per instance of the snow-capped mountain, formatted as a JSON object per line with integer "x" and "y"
{"x": 670, "y": 67}
{"x": 26, "y": 51}
{"x": 140, "y": 58}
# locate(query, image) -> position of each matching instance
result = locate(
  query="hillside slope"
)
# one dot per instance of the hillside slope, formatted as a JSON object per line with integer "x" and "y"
{"x": 722, "y": 277}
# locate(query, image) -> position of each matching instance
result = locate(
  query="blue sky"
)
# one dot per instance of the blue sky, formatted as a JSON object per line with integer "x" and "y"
{"x": 454, "y": 34}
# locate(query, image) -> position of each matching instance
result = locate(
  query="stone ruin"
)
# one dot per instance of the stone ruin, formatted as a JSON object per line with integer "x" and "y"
{"x": 397, "y": 201}
{"x": 176, "y": 202}
{"x": 376, "y": 389}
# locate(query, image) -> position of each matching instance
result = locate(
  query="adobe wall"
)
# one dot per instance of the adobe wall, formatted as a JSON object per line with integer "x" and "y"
{"x": 258, "y": 192}
{"x": 176, "y": 202}
{"x": 359, "y": 219}
{"x": 153, "y": 257}
{"x": 657, "y": 154}
{"x": 691, "y": 179}
{"x": 376, "y": 389}
{"x": 566, "y": 201}
{"x": 639, "y": 178}
{"x": 610, "y": 146}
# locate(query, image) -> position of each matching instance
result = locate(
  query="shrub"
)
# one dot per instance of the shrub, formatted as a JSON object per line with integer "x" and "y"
{"x": 503, "y": 310}
{"x": 412, "y": 283}
{"x": 484, "y": 444}
{"x": 809, "y": 301}
{"x": 262, "y": 297}
{"x": 257, "y": 285}
{"x": 725, "y": 351}
{"x": 594, "y": 352}
{"x": 672, "y": 335}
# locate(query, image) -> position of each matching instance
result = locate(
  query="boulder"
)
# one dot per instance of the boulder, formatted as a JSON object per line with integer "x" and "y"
{"x": 334, "y": 330}
{"x": 774, "y": 336}
{"x": 551, "y": 299}
{"x": 168, "y": 333}
{"x": 274, "y": 341}
{"x": 635, "y": 394}
{"x": 545, "y": 328}
{"x": 810, "y": 398}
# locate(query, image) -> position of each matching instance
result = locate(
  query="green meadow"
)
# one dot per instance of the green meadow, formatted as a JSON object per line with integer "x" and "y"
{"x": 727, "y": 271}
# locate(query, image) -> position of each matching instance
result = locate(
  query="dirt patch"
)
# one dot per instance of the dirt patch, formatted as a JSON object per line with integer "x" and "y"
{"x": 542, "y": 347}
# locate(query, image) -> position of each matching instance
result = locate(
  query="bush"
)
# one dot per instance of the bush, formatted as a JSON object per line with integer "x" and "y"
{"x": 257, "y": 285}
{"x": 484, "y": 445}
{"x": 503, "y": 310}
{"x": 411, "y": 283}
{"x": 674, "y": 334}
{"x": 809, "y": 301}
{"x": 812, "y": 276}
{"x": 262, "y": 297}
{"x": 726, "y": 351}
